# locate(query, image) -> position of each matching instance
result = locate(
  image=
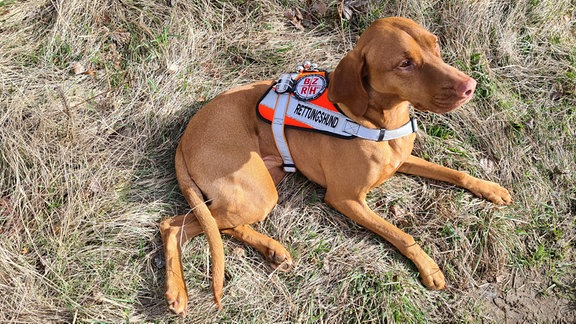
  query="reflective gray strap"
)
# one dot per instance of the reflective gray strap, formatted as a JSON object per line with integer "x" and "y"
{"x": 278, "y": 131}
{"x": 381, "y": 134}
{"x": 337, "y": 123}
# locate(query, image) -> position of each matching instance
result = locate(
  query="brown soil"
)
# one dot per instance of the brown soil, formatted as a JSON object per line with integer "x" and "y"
{"x": 527, "y": 299}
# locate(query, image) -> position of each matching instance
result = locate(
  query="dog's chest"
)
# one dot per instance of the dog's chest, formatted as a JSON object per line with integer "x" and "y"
{"x": 390, "y": 155}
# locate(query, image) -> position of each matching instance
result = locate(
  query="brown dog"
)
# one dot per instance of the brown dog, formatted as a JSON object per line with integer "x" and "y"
{"x": 227, "y": 162}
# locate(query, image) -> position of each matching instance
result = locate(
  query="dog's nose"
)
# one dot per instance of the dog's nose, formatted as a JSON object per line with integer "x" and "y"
{"x": 466, "y": 88}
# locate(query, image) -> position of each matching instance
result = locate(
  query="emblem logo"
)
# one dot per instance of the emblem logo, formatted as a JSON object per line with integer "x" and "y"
{"x": 310, "y": 87}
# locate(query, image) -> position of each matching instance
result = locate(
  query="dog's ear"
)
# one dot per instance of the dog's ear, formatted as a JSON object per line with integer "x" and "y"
{"x": 347, "y": 84}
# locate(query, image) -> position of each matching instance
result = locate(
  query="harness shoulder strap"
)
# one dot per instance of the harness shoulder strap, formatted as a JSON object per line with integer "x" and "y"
{"x": 282, "y": 103}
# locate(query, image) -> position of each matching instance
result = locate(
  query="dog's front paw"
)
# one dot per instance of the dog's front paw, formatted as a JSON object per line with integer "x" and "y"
{"x": 177, "y": 299}
{"x": 431, "y": 275}
{"x": 491, "y": 191}
{"x": 433, "y": 280}
{"x": 279, "y": 257}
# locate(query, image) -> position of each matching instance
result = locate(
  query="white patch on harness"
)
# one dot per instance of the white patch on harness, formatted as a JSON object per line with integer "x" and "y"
{"x": 310, "y": 87}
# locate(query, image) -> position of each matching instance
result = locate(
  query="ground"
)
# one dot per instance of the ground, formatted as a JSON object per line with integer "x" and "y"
{"x": 94, "y": 96}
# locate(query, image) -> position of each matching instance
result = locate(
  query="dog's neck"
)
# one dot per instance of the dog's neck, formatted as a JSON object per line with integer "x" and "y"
{"x": 389, "y": 116}
{"x": 383, "y": 113}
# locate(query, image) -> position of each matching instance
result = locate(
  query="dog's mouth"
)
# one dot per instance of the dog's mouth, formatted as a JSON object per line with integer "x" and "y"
{"x": 439, "y": 108}
{"x": 443, "y": 104}
{"x": 449, "y": 98}
{"x": 443, "y": 107}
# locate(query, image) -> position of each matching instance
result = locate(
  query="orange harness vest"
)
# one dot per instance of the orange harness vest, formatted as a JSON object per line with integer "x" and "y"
{"x": 300, "y": 100}
{"x": 317, "y": 108}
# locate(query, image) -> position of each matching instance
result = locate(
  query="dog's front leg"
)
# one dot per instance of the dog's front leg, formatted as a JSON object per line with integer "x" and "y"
{"x": 357, "y": 210}
{"x": 481, "y": 188}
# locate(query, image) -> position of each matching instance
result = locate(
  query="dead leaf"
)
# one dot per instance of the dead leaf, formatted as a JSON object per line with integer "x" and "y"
{"x": 239, "y": 252}
{"x": 78, "y": 68}
{"x": 173, "y": 68}
{"x": 90, "y": 72}
{"x": 326, "y": 266}
{"x": 487, "y": 165}
{"x": 344, "y": 10}
{"x": 295, "y": 18}
{"x": 399, "y": 215}
{"x": 397, "y": 211}
{"x": 347, "y": 8}
{"x": 5, "y": 206}
{"x": 319, "y": 8}
{"x": 299, "y": 14}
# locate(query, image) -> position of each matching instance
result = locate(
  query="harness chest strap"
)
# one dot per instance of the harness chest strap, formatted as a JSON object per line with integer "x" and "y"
{"x": 289, "y": 110}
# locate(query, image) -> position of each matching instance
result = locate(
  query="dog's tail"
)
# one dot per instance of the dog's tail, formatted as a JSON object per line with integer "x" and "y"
{"x": 195, "y": 199}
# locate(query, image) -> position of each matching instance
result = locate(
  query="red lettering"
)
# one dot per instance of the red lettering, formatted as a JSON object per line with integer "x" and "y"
{"x": 311, "y": 81}
{"x": 311, "y": 86}
{"x": 309, "y": 90}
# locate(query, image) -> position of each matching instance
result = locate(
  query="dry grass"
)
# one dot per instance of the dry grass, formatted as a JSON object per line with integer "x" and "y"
{"x": 94, "y": 97}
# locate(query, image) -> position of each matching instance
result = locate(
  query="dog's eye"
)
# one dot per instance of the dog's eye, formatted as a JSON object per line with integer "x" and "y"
{"x": 406, "y": 63}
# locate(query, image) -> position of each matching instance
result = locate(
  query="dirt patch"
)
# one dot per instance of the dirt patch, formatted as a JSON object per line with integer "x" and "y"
{"x": 528, "y": 298}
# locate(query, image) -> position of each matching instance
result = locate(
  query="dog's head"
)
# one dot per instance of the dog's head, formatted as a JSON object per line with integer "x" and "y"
{"x": 397, "y": 59}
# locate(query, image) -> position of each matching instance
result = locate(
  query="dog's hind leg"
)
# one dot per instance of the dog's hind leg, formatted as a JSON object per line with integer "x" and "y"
{"x": 175, "y": 231}
{"x": 273, "y": 251}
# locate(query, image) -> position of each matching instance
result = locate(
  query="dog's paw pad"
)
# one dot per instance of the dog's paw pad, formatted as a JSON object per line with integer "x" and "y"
{"x": 434, "y": 280}
{"x": 177, "y": 301}
{"x": 279, "y": 258}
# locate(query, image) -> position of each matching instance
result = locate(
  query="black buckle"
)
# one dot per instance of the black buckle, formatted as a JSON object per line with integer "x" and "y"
{"x": 414, "y": 125}
{"x": 382, "y": 134}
